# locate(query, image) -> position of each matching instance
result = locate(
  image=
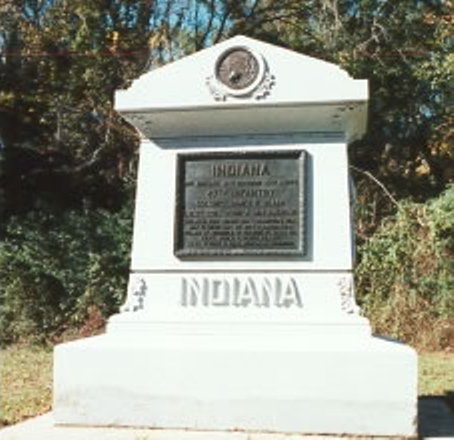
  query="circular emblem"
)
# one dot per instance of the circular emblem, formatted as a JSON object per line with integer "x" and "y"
{"x": 240, "y": 73}
{"x": 238, "y": 68}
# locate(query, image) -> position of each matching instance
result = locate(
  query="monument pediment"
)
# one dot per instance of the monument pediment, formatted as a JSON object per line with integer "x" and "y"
{"x": 288, "y": 91}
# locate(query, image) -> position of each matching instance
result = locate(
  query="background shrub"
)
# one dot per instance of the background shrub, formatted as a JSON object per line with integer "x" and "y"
{"x": 55, "y": 267}
{"x": 405, "y": 278}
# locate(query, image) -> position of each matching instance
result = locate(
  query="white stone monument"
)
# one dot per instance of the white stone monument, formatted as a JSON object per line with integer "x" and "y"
{"x": 241, "y": 311}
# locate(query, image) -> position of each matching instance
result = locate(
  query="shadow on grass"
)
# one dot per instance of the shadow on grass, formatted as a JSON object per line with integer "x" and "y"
{"x": 436, "y": 416}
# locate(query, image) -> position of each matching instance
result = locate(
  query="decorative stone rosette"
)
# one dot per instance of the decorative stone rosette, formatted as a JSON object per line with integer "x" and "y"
{"x": 137, "y": 291}
{"x": 347, "y": 296}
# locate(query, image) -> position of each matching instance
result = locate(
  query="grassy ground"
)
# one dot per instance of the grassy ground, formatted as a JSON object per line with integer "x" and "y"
{"x": 26, "y": 380}
{"x": 436, "y": 374}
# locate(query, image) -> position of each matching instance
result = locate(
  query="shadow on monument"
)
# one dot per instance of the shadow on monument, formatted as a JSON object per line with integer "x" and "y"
{"x": 436, "y": 416}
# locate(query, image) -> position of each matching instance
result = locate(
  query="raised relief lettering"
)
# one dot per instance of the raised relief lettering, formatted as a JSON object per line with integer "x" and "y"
{"x": 267, "y": 291}
{"x": 246, "y": 293}
{"x": 240, "y": 292}
{"x": 290, "y": 295}
{"x": 192, "y": 291}
{"x": 221, "y": 293}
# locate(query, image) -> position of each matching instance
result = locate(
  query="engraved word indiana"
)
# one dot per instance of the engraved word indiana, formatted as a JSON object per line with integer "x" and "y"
{"x": 240, "y": 292}
{"x": 240, "y": 170}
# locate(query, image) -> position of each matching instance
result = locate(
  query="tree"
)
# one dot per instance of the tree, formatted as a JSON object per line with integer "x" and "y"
{"x": 61, "y": 62}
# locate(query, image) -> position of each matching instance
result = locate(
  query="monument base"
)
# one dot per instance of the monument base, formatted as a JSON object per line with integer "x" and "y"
{"x": 302, "y": 384}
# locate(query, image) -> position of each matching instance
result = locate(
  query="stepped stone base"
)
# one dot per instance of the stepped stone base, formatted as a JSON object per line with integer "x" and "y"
{"x": 299, "y": 384}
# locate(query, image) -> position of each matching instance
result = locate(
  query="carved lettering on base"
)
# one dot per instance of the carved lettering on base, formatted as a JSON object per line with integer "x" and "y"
{"x": 240, "y": 292}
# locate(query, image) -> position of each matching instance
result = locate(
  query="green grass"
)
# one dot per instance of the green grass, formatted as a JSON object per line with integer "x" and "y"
{"x": 436, "y": 374}
{"x": 26, "y": 380}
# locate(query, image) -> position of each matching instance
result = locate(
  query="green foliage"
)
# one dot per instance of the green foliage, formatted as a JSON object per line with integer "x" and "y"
{"x": 405, "y": 278}
{"x": 55, "y": 266}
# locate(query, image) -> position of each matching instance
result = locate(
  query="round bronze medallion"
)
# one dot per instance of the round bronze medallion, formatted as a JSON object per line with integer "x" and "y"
{"x": 238, "y": 68}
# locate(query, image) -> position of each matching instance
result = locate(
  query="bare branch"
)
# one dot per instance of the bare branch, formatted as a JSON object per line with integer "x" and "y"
{"x": 375, "y": 180}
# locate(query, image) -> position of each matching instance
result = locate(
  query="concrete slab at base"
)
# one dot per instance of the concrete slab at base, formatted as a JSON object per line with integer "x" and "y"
{"x": 43, "y": 428}
{"x": 242, "y": 383}
{"x": 436, "y": 421}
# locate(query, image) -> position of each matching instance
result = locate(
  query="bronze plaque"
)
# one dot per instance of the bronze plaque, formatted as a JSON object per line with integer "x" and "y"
{"x": 240, "y": 204}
